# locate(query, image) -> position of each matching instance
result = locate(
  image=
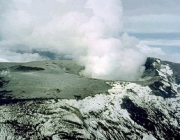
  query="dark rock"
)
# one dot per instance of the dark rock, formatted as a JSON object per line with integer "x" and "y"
{"x": 26, "y": 68}
{"x": 138, "y": 114}
{"x": 3, "y": 82}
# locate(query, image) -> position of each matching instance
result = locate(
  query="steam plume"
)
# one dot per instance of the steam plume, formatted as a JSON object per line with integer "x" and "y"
{"x": 85, "y": 30}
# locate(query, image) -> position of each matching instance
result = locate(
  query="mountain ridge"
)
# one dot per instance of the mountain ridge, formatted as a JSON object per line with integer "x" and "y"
{"x": 147, "y": 109}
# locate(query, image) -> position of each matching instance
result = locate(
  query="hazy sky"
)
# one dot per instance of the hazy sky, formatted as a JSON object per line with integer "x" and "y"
{"x": 112, "y": 35}
{"x": 156, "y": 23}
{"x": 151, "y": 15}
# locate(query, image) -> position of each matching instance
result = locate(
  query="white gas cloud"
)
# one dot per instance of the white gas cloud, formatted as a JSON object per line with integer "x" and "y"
{"x": 9, "y": 56}
{"x": 158, "y": 53}
{"x": 85, "y": 30}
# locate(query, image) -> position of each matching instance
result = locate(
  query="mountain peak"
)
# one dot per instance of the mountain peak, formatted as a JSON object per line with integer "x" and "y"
{"x": 147, "y": 109}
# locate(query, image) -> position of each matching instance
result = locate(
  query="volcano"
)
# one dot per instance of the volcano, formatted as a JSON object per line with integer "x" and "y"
{"x": 50, "y": 100}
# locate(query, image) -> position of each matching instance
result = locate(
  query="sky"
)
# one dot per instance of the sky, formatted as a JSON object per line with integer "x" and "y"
{"x": 152, "y": 16}
{"x": 105, "y": 36}
{"x": 156, "y": 23}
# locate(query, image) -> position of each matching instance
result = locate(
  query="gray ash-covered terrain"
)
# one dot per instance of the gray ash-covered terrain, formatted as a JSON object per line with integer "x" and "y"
{"x": 47, "y": 79}
{"x": 49, "y": 100}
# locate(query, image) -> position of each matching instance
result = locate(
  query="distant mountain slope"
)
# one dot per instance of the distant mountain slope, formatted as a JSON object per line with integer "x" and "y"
{"x": 47, "y": 79}
{"x": 148, "y": 109}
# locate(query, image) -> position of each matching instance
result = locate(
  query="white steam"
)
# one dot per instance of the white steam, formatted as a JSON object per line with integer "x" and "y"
{"x": 86, "y": 30}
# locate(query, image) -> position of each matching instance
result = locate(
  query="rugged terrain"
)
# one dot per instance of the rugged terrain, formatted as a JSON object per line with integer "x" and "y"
{"x": 49, "y": 100}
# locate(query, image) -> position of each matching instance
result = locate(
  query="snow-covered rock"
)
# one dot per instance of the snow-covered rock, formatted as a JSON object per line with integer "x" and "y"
{"x": 148, "y": 109}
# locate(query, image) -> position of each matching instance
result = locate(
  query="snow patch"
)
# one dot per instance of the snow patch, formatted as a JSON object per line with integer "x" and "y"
{"x": 148, "y": 137}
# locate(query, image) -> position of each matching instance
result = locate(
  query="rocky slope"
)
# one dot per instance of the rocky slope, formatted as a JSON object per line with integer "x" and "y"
{"x": 148, "y": 109}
